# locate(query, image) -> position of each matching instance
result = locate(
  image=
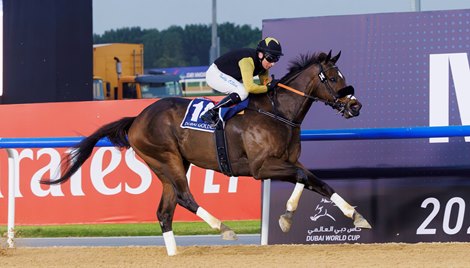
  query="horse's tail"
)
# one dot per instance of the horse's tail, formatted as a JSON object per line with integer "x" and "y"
{"x": 116, "y": 132}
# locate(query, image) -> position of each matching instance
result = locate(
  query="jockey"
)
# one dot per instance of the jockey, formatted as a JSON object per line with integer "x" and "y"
{"x": 233, "y": 73}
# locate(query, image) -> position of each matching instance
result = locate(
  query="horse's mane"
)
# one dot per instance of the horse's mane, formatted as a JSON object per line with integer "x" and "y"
{"x": 301, "y": 63}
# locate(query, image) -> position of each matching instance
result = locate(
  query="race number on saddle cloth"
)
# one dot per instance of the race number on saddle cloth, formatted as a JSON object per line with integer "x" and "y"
{"x": 198, "y": 106}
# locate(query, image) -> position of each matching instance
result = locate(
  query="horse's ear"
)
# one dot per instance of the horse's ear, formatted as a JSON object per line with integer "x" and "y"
{"x": 328, "y": 57}
{"x": 336, "y": 58}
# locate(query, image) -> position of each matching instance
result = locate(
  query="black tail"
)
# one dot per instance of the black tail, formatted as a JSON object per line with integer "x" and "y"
{"x": 116, "y": 132}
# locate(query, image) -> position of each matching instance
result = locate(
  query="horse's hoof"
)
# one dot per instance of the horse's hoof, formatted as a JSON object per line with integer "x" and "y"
{"x": 360, "y": 221}
{"x": 171, "y": 254}
{"x": 285, "y": 222}
{"x": 227, "y": 233}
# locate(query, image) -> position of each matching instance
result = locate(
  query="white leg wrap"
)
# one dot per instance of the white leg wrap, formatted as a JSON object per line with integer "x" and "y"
{"x": 346, "y": 208}
{"x": 293, "y": 201}
{"x": 207, "y": 217}
{"x": 170, "y": 243}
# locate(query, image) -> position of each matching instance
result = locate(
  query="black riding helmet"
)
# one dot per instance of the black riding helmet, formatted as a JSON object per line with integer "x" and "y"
{"x": 271, "y": 46}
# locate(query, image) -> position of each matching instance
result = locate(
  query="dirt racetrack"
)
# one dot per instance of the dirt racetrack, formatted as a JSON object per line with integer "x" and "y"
{"x": 345, "y": 255}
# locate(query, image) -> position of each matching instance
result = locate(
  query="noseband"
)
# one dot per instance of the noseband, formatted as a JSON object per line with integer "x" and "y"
{"x": 347, "y": 91}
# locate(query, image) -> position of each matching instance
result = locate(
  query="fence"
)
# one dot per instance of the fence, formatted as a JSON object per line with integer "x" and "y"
{"x": 306, "y": 135}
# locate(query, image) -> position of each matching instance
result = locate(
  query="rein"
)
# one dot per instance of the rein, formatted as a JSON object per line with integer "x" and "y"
{"x": 298, "y": 92}
{"x": 277, "y": 117}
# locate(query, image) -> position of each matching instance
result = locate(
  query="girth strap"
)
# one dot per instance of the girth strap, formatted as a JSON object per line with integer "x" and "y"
{"x": 221, "y": 149}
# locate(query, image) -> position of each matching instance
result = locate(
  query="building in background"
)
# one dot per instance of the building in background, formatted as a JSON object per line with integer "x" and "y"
{"x": 192, "y": 78}
{"x": 47, "y": 51}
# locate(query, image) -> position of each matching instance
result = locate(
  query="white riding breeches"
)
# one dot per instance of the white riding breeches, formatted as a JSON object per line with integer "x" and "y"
{"x": 224, "y": 83}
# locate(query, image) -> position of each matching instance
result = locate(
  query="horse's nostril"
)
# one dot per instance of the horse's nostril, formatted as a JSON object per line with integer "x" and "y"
{"x": 353, "y": 107}
{"x": 356, "y": 107}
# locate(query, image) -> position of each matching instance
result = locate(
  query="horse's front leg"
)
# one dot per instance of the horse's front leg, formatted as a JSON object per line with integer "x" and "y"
{"x": 276, "y": 169}
{"x": 350, "y": 211}
{"x": 313, "y": 183}
{"x": 305, "y": 179}
{"x": 285, "y": 220}
{"x": 301, "y": 181}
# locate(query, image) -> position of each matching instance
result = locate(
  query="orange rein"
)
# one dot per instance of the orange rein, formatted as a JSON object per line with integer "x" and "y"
{"x": 291, "y": 89}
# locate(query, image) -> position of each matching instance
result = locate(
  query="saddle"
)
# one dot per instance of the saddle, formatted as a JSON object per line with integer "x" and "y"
{"x": 228, "y": 112}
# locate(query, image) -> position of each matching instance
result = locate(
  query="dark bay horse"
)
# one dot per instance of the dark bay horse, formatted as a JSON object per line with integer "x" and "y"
{"x": 263, "y": 143}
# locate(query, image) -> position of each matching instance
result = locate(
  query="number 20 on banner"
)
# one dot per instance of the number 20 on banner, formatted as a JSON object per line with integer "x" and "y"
{"x": 457, "y": 202}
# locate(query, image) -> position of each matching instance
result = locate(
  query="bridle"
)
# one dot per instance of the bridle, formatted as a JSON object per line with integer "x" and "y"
{"x": 347, "y": 91}
{"x": 336, "y": 104}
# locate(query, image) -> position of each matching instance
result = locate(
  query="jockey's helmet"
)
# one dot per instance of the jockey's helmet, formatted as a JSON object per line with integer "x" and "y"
{"x": 271, "y": 46}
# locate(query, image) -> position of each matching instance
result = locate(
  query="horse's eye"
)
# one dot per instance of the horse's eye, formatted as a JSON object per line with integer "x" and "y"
{"x": 333, "y": 79}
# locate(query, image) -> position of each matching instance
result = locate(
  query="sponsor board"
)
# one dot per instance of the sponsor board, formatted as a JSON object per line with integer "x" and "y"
{"x": 409, "y": 69}
{"x": 113, "y": 185}
{"x": 412, "y": 209}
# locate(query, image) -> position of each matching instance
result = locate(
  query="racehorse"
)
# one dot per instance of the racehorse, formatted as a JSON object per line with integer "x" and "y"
{"x": 263, "y": 143}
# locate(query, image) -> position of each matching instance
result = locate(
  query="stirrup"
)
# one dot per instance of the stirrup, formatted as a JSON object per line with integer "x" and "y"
{"x": 215, "y": 122}
{"x": 210, "y": 117}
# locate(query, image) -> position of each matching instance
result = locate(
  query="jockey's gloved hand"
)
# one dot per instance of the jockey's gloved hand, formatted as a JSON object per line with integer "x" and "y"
{"x": 272, "y": 84}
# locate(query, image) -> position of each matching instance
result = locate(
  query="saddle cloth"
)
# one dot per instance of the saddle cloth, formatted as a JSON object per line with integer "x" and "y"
{"x": 198, "y": 106}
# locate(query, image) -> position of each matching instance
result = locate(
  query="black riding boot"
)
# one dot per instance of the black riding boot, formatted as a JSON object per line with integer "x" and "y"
{"x": 212, "y": 115}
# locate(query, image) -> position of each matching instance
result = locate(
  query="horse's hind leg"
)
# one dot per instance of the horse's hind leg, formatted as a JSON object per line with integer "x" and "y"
{"x": 225, "y": 231}
{"x": 165, "y": 212}
{"x": 186, "y": 200}
{"x": 176, "y": 191}
{"x": 168, "y": 200}
{"x": 214, "y": 223}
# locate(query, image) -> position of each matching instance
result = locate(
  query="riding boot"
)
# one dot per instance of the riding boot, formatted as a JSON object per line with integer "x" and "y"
{"x": 212, "y": 115}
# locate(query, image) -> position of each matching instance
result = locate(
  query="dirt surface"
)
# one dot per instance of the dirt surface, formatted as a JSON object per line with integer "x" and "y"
{"x": 345, "y": 255}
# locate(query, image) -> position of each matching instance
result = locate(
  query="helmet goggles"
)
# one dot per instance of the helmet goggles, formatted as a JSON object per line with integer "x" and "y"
{"x": 271, "y": 58}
